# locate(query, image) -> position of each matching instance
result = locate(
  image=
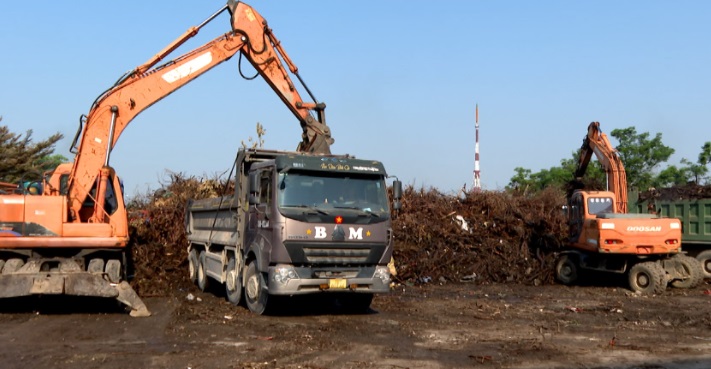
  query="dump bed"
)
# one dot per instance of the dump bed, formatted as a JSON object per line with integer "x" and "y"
{"x": 694, "y": 214}
{"x": 213, "y": 220}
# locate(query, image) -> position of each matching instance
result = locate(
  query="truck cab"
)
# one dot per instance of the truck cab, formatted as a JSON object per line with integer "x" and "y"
{"x": 310, "y": 224}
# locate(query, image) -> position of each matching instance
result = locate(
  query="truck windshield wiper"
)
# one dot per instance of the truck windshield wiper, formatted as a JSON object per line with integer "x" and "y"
{"x": 312, "y": 208}
{"x": 366, "y": 210}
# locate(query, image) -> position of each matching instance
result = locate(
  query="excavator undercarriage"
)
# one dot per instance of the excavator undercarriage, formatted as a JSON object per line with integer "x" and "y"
{"x": 98, "y": 274}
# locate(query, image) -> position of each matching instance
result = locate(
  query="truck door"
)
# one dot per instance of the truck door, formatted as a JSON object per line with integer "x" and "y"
{"x": 259, "y": 231}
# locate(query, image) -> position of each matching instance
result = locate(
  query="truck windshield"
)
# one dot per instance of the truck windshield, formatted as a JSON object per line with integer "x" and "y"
{"x": 332, "y": 191}
{"x": 599, "y": 205}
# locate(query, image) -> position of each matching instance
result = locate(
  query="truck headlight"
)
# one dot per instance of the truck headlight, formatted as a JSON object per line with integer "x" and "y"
{"x": 383, "y": 273}
{"x": 284, "y": 273}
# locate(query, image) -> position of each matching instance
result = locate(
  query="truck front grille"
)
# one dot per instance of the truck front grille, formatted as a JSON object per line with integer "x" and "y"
{"x": 318, "y": 255}
{"x": 334, "y": 254}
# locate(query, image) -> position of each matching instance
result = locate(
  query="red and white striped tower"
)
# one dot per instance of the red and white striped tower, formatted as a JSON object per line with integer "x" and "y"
{"x": 476, "y": 187}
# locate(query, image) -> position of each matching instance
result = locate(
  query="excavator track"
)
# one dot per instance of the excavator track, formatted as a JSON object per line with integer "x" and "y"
{"x": 65, "y": 276}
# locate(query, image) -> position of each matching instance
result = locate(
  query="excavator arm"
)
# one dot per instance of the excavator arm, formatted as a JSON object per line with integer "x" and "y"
{"x": 149, "y": 83}
{"x": 597, "y": 142}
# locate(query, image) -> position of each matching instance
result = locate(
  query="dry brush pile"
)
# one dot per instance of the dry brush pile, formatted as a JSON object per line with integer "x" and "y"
{"x": 684, "y": 192}
{"x": 481, "y": 237}
{"x": 157, "y": 240}
{"x": 484, "y": 236}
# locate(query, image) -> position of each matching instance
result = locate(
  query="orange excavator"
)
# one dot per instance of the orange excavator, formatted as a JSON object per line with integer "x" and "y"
{"x": 604, "y": 237}
{"x": 71, "y": 238}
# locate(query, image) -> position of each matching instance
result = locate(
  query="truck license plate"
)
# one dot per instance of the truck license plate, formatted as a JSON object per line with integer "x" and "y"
{"x": 337, "y": 284}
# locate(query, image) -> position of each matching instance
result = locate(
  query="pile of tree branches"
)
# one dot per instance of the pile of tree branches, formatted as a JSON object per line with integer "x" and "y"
{"x": 157, "y": 225}
{"x": 481, "y": 237}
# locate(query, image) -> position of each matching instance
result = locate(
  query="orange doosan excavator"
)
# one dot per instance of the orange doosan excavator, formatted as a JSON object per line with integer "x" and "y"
{"x": 604, "y": 237}
{"x": 72, "y": 237}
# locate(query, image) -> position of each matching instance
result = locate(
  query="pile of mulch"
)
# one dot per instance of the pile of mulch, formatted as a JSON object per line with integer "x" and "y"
{"x": 478, "y": 237}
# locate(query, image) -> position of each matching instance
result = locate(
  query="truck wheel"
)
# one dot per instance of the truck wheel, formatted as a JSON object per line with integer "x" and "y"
{"x": 233, "y": 284}
{"x": 567, "y": 270}
{"x": 705, "y": 259}
{"x": 256, "y": 294}
{"x": 113, "y": 270}
{"x": 648, "y": 278}
{"x": 692, "y": 269}
{"x": 202, "y": 281}
{"x": 192, "y": 265}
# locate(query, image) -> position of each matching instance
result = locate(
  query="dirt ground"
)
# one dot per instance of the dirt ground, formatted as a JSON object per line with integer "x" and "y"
{"x": 432, "y": 326}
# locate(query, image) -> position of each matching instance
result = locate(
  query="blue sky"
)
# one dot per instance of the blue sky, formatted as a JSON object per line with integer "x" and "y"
{"x": 400, "y": 79}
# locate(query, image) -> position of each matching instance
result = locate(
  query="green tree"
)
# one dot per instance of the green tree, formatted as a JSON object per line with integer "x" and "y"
{"x": 702, "y": 169}
{"x": 559, "y": 176}
{"x": 640, "y": 155}
{"x": 671, "y": 176}
{"x": 689, "y": 172}
{"x": 21, "y": 157}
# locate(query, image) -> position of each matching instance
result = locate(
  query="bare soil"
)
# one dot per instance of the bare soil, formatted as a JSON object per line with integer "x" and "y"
{"x": 452, "y": 325}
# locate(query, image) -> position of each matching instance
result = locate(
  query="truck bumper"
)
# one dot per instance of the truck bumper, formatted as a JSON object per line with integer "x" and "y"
{"x": 301, "y": 286}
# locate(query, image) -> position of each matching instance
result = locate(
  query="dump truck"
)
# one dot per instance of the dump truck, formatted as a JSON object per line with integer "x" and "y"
{"x": 695, "y": 217}
{"x": 297, "y": 223}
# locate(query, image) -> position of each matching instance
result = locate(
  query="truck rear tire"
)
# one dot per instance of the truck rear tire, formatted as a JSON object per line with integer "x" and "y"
{"x": 202, "y": 278}
{"x": 233, "y": 284}
{"x": 567, "y": 270}
{"x": 692, "y": 269}
{"x": 256, "y": 294}
{"x": 705, "y": 258}
{"x": 647, "y": 278}
{"x": 192, "y": 265}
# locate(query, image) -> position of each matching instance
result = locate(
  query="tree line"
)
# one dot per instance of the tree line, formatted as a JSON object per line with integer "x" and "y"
{"x": 22, "y": 157}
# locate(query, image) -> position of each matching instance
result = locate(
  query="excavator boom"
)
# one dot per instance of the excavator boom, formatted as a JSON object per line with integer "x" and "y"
{"x": 597, "y": 142}
{"x": 148, "y": 84}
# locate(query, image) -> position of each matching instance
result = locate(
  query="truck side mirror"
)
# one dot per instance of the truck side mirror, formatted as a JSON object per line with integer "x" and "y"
{"x": 253, "y": 188}
{"x": 397, "y": 189}
{"x": 397, "y": 195}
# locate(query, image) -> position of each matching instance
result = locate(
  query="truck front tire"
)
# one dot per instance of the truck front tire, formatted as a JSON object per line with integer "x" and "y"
{"x": 256, "y": 294}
